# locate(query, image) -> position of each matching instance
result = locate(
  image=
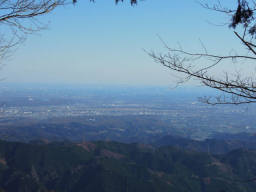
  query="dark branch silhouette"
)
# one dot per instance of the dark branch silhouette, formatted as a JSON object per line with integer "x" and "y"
{"x": 18, "y": 18}
{"x": 236, "y": 88}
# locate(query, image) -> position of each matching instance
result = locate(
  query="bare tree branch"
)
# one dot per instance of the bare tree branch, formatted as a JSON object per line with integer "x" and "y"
{"x": 200, "y": 66}
{"x": 19, "y": 18}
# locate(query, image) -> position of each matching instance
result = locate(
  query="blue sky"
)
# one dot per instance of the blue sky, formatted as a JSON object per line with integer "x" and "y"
{"x": 102, "y": 43}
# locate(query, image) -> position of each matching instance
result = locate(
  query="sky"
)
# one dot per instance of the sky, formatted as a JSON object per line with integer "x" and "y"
{"x": 104, "y": 43}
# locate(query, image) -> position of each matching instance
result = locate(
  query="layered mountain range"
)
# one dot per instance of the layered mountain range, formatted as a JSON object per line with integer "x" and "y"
{"x": 116, "y": 167}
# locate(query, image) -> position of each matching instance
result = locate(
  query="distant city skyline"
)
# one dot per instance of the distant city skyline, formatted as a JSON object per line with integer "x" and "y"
{"x": 102, "y": 43}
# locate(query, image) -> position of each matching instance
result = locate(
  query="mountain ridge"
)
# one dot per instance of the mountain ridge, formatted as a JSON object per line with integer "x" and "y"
{"x": 112, "y": 166}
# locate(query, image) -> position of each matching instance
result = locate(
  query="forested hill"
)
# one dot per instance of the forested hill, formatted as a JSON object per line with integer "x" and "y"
{"x": 116, "y": 167}
{"x": 219, "y": 144}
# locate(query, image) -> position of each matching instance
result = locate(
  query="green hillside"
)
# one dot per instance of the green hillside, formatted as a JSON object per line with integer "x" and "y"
{"x": 116, "y": 167}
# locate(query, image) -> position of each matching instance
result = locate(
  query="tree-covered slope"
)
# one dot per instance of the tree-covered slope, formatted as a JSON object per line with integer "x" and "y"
{"x": 116, "y": 167}
{"x": 220, "y": 144}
